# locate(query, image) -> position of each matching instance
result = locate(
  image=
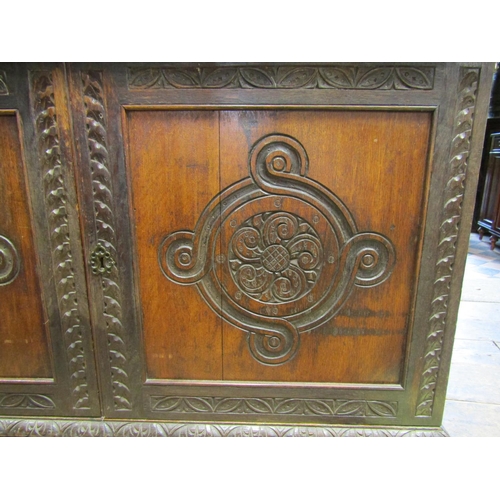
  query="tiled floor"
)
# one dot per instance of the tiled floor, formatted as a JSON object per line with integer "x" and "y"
{"x": 473, "y": 398}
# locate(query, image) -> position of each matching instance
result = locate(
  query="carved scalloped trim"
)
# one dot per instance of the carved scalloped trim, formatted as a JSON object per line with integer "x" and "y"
{"x": 26, "y": 401}
{"x": 4, "y": 90}
{"x": 274, "y": 406}
{"x": 284, "y": 77}
{"x": 97, "y": 142}
{"x": 448, "y": 234}
{"x": 54, "y": 180}
{"x": 99, "y": 428}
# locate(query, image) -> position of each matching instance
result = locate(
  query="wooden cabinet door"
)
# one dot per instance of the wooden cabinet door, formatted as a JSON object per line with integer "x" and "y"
{"x": 258, "y": 237}
{"x": 46, "y": 356}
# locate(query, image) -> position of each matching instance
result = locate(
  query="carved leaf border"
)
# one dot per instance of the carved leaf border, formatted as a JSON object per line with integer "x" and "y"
{"x": 274, "y": 406}
{"x": 26, "y": 401}
{"x": 448, "y": 234}
{"x": 97, "y": 143}
{"x": 4, "y": 89}
{"x": 99, "y": 428}
{"x": 284, "y": 77}
{"x": 54, "y": 184}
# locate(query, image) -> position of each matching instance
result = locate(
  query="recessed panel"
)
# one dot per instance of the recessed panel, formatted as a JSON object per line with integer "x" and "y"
{"x": 278, "y": 245}
{"x": 24, "y": 351}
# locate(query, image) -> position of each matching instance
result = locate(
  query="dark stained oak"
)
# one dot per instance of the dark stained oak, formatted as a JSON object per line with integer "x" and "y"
{"x": 23, "y": 336}
{"x": 236, "y": 249}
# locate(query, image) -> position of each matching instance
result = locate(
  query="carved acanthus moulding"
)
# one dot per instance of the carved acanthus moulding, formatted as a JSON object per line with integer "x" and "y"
{"x": 97, "y": 143}
{"x": 54, "y": 181}
{"x": 9, "y": 401}
{"x": 283, "y": 77}
{"x": 448, "y": 234}
{"x": 100, "y": 428}
{"x": 274, "y": 406}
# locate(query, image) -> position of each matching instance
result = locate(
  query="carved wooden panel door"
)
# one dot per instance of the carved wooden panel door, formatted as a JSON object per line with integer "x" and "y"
{"x": 303, "y": 281}
{"x": 46, "y": 356}
{"x": 256, "y": 238}
{"x": 221, "y": 244}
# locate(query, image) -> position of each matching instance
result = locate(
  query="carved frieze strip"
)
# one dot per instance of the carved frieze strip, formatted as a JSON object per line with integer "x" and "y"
{"x": 274, "y": 406}
{"x": 54, "y": 183}
{"x": 97, "y": 143}
{"x": 4, "y": 90}
{"x": 448, "y": 234}
{"x": 99, "y": 428}
{"x": 353, "y": 77}
{"x": 26, "y": 401}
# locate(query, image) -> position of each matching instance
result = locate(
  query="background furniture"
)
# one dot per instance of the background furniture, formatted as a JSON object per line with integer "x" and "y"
{"x": 222, "y": 249}
{"x": 488, "y": 196}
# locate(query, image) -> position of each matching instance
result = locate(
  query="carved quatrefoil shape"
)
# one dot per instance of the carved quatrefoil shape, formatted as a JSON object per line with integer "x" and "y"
{"x": 276, "y": 254}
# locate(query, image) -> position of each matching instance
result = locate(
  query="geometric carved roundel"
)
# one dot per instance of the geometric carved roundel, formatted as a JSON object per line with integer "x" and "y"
{"x": 276, "y": 254}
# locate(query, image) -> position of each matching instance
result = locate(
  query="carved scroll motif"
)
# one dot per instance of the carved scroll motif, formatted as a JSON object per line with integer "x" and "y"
{"x": 9, "y": 261}
{"x": 97, "y": 142}
{"x": 448, "y": 234}
{"x": 54, "y": 179}
{"x": 293, "y": 253}
{"x": 284, "y": 77}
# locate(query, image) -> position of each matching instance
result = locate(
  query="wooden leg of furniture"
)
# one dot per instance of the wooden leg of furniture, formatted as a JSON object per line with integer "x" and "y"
{"x": 493, "y": 242}
{"x": 480, "y": 230}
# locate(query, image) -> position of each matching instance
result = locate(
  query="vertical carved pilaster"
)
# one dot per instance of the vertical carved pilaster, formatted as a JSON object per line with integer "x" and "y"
{"x": 448, "y": 233}
{"x": 54, "y": 180}
{"x": 97, "y": 142}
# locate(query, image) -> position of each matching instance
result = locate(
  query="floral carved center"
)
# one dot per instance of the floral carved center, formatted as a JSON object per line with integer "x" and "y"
{"x": 275, "y": 257}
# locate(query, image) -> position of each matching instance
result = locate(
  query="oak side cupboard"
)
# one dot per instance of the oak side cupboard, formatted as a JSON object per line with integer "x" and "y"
{"x": 232, "y": 249}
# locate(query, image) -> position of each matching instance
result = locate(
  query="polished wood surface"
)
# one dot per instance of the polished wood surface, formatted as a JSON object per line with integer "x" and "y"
{"x": 173, "y": 173}
{"x": 254, "y": 246}
{"x": 23, "y": 337}
{"x": 374, "y": 161}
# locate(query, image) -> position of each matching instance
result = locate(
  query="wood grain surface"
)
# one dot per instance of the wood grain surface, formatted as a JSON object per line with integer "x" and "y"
{"x": 374, "y": 161}
{"x": 23, "y": 336}
{"x": 173, "y": 173}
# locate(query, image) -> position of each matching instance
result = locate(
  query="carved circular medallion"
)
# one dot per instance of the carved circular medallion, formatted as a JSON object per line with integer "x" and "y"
{"x": 292, "y": 252}
{"x": 275, "y": 257}
{"x": 9, "y": 261}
